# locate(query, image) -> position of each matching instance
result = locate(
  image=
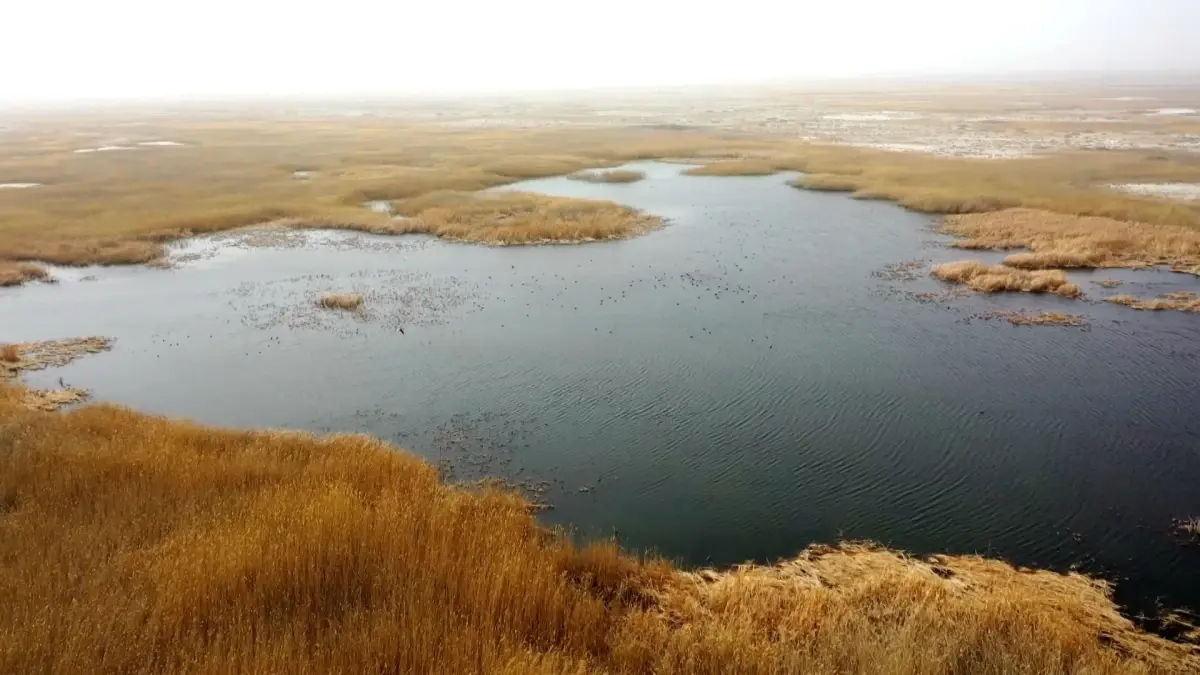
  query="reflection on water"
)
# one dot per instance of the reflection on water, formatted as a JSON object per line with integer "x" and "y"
{"x": 752, "y": 378}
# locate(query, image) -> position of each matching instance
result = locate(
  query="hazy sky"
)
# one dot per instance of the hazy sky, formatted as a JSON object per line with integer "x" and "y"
{"x": 65, "y": 49}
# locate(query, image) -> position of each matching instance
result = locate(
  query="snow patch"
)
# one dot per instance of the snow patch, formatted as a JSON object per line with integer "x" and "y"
{"x": 103, "y": 148}
{"x": 1186, "y": 192}
{"x": 18, "y": 186}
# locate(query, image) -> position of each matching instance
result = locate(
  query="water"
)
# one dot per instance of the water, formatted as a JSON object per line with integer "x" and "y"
{"x": 732, "y": 387}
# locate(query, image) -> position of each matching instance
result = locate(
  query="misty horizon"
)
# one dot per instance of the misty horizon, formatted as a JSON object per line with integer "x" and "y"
{"x": 137, "y": 50}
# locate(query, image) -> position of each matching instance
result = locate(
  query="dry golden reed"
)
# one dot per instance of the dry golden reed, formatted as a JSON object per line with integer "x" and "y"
{"x": 15, "y": 274}
{"x": 985, "y": 278}
{"x": 347, "y": 301}
{"x": 137, "y": 544}
{"x": 10, "y": 353}
{"x": 1037, "y": 318}
{"x": 1181, "y": 301}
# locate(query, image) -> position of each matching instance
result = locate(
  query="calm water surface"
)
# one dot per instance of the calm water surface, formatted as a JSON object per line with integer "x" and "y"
{"x": 732, "y": 387}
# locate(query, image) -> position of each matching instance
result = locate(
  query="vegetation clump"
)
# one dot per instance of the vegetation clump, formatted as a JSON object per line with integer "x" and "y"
{"x": 1180, "y": 301}
{"x": 346, "y": 301}
{"x": 17, "y": 273}
{"x": 1037, "y": 318}
{"x": 985, "y": 278}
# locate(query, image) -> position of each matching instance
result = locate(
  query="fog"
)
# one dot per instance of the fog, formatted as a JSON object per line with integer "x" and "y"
{"x": 80, "y": 49}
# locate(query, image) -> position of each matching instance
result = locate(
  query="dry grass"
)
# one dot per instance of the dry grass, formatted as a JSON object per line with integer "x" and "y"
{"x": 1181, "y": 301}
{"x": 1189, "y": 527}
{"x": 985, "y": 278}
{"x": 611, "y": 176}
{"x": 18, "y": 358}
{"x": 15, "y": 274}
{"x": 1037, "y": 318}
{"x": 10, "y": 353}
{"x": 1108, "y": 283}
{"x": 347, "y": 301}
{"x": 736, "y": 167}
{"x": 1068, "y": 183}
{"x": 507, "y": 218}
{"x": 135, "y": 544}
{"x": 1059, "y": 240}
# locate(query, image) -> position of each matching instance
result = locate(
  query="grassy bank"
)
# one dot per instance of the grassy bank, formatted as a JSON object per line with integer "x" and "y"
{"x": 136, "y": 544}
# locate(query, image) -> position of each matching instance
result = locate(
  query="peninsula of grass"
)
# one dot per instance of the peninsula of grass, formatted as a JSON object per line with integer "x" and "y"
{"x": 611, "y": 176}
{"x": 138, "y": 544}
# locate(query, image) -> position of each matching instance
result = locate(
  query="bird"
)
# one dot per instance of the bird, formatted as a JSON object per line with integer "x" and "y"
{"x": 401, "y": 329}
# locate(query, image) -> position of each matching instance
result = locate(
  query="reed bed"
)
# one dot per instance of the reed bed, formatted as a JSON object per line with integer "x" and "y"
{"x": 508, "y": 218}
{"x": 986, "y": 278}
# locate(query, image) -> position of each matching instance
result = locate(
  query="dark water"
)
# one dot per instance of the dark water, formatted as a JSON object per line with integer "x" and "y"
{"x": 733, "y": 387}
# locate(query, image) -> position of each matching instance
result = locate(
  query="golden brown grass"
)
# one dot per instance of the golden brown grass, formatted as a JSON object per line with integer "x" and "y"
{"x": 1070, "y": 183}
{"x": 985, "y": 278}
{"x": 135, "y": 544}
{"x": 611, "y": 176}
{"x": 347, "y": 301}
{"x": 1181, "y": 301}
{"x": 1037, "y": 318}
{"x": 1061, "y": 240}
{"x": 736, "y": 167}
{"x": 15, "y": 274}
{"x": 506, "y": 218}
{"x": 1108, "y": 283}
{"x": 10, "y": 353}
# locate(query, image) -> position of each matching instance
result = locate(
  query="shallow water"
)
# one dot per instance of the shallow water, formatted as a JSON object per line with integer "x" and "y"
{"x": 734, "y": 386}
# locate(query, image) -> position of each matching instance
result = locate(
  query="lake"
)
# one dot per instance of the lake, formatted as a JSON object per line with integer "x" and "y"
{"x": 743, "y": 382}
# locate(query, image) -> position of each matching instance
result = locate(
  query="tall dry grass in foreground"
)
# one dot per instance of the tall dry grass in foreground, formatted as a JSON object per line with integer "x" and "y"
{"x": 136, "y": 544}
{"x": 610, "y": 176}
{"x": 985, "y": 278}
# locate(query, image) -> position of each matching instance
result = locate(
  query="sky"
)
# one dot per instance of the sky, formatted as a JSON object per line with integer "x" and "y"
{"x": 56, "y": 50}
